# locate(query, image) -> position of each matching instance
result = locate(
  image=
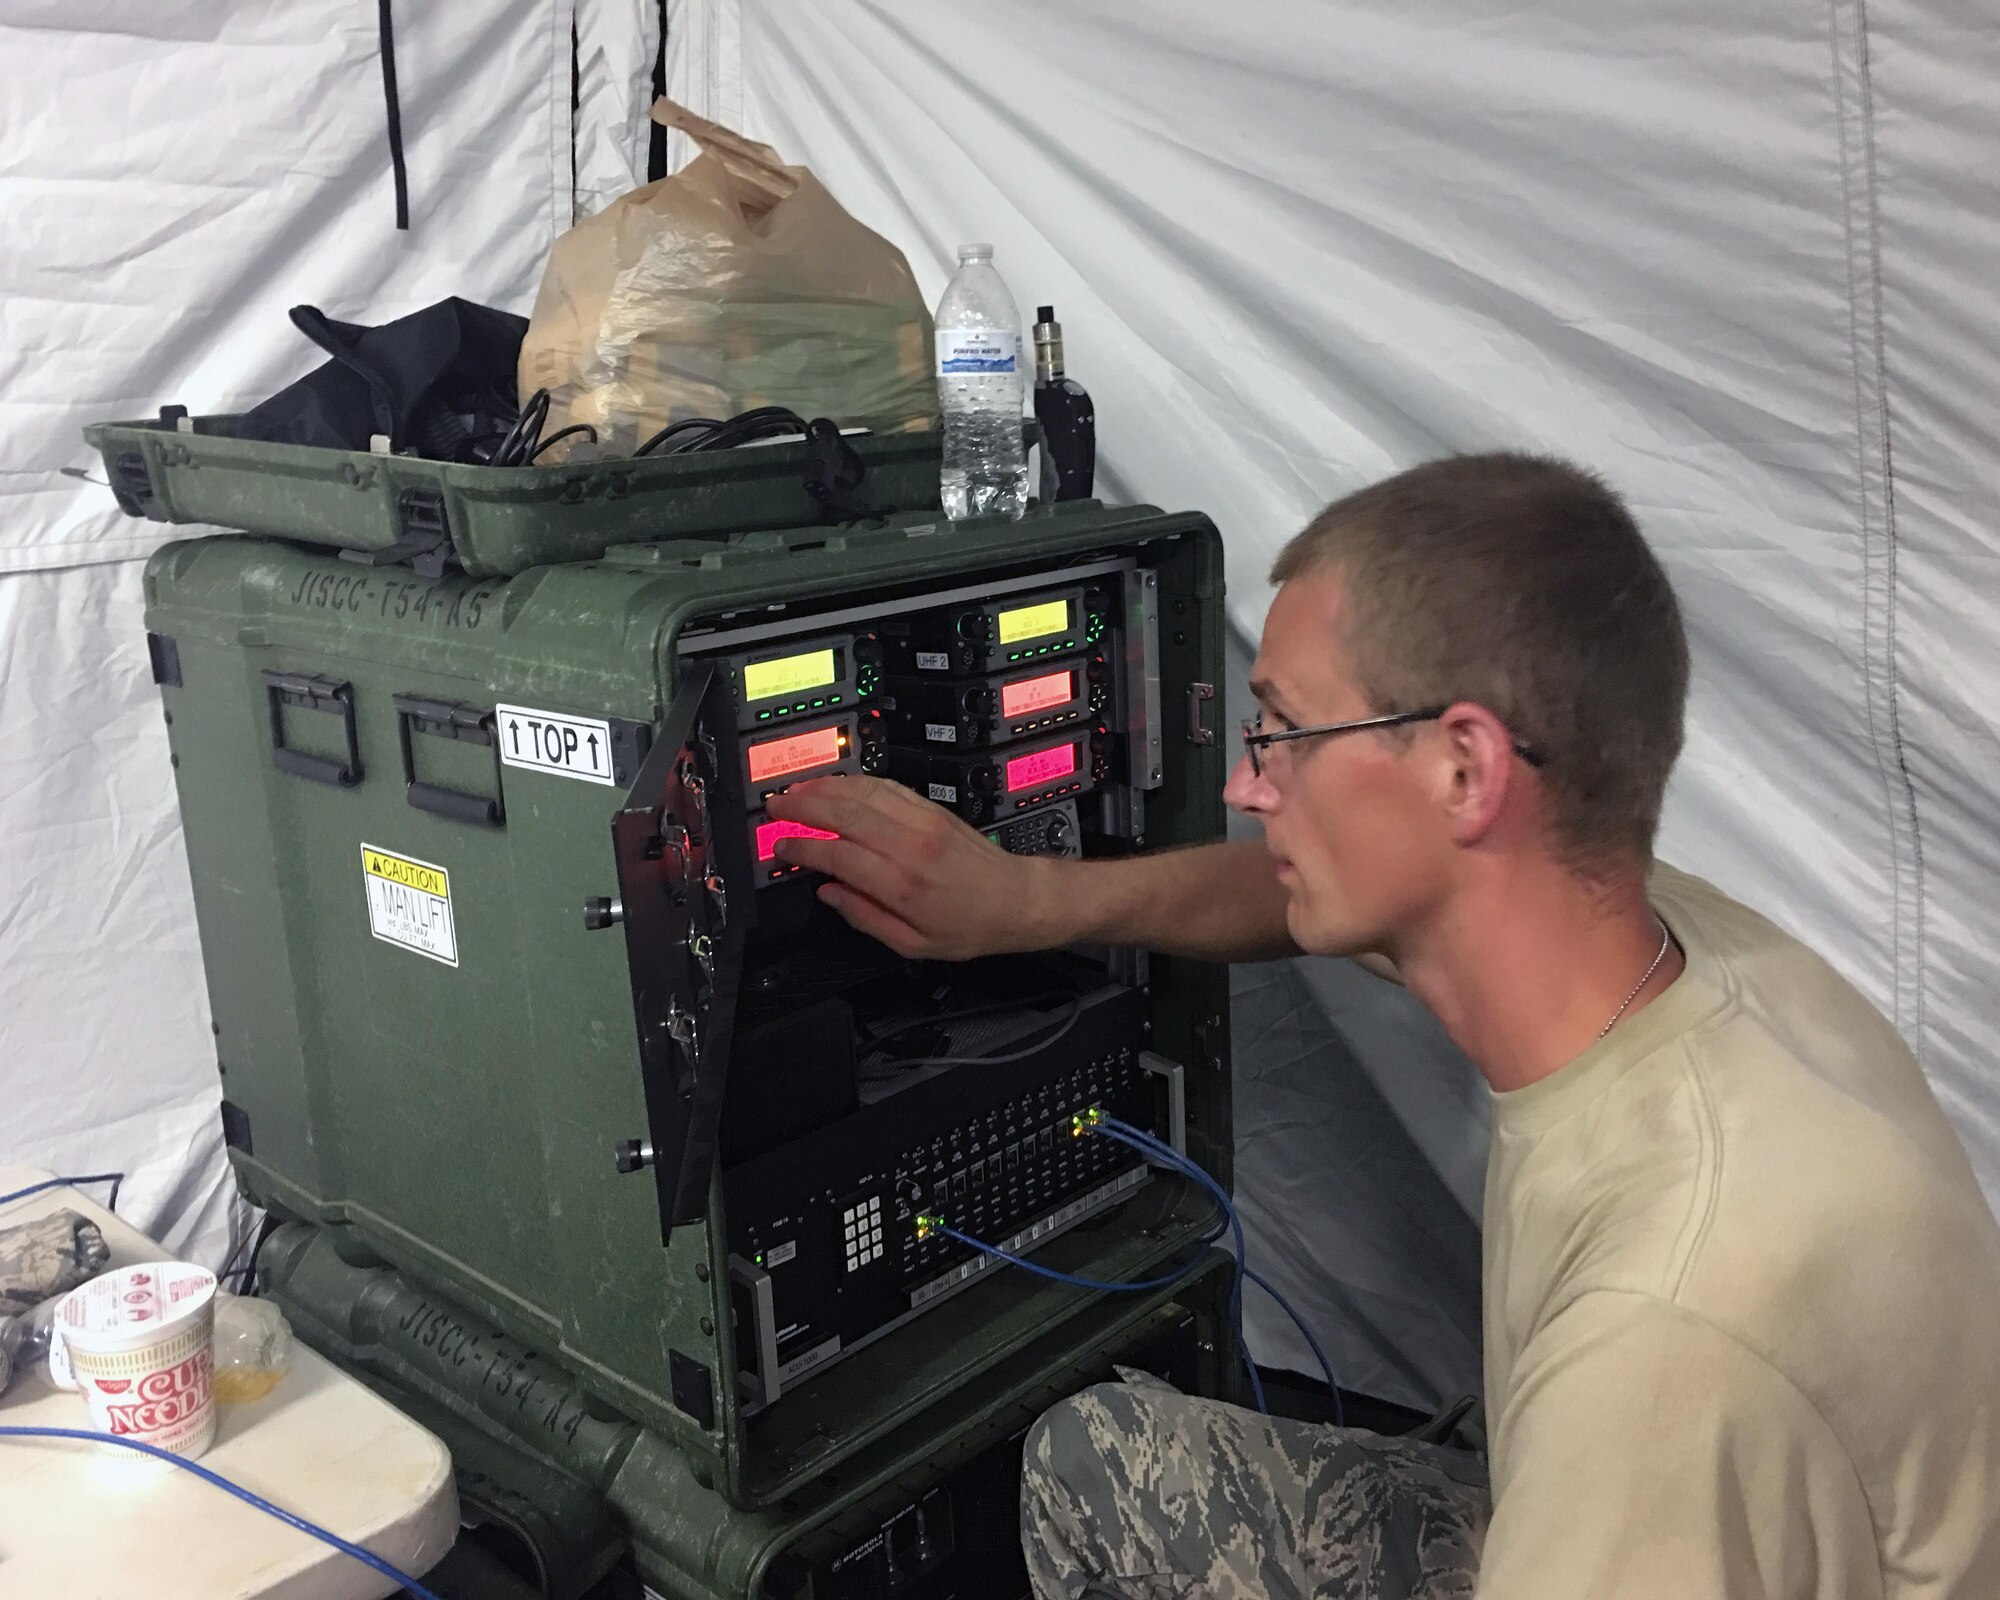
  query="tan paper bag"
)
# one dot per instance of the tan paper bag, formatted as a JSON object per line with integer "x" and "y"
{"x": 737, "y": 282}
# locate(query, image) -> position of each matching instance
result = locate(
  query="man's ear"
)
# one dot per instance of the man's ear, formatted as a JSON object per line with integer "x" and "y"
{"x": 1476, "y": 770}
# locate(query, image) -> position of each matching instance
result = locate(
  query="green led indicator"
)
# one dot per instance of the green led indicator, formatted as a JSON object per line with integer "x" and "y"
{"x": 760, "y": 1258}
{"x": 817, "y": 704}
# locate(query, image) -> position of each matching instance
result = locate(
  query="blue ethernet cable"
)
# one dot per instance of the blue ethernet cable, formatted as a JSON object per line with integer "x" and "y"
{"x": 112, "y": 1178}
{"x": 1174, "y": 1159}
{"x": 1166, "y": 1155}
{"x": 1012, "y": 1260}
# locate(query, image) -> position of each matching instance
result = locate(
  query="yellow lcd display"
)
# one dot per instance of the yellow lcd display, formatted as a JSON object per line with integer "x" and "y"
{"x": 1031, "y": 622}
{"x": 766, "y": 680}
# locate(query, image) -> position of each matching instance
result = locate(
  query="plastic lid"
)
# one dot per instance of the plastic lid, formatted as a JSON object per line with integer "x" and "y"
{"x": 975, "y": 252}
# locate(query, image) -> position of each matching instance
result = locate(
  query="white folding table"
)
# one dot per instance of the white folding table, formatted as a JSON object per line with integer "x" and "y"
{"x": 84, "y": 1521}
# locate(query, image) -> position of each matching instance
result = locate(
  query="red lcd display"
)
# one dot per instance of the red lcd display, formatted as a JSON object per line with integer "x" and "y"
{"x": 1031, "y": 771}
{"x": 769, "y": 833}
{"x": 1026, "y": 695}
{"x": 777, "y": 758}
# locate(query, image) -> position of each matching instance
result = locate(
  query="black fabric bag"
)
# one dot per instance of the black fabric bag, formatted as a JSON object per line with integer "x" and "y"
{"x": 439, "y": 381}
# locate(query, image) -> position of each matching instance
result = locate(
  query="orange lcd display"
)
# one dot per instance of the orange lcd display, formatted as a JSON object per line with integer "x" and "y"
{"x": 1026, "y": 695}
{"x": 779, "y": 758}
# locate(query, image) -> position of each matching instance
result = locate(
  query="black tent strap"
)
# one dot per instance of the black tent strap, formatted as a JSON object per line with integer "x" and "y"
{"x": 388, "y": 33}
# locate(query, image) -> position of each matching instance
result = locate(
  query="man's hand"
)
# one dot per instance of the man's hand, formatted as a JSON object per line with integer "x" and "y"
{"x": 913, "y": 875}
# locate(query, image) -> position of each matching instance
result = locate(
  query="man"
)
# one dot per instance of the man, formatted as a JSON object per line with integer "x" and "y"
{"x": 1742, "y": 1292}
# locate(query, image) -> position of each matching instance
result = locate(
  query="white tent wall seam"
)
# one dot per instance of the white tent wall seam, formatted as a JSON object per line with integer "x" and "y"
{"x": 1875, "y": 506}
{"x": 704, "y": 68}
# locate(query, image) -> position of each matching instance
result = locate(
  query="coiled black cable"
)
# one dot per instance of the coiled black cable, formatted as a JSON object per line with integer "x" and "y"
{"x": 518, "y": 442}
{"x": 558, "y": 436}
{"x": 712, "y": 433}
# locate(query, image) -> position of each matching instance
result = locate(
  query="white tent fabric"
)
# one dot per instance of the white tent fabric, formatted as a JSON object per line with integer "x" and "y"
{"x": 174, "y": 179}
{"x": 1735, "y": 256}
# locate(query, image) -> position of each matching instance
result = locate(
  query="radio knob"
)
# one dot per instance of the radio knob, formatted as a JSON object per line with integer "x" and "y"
{"x": 868, "y": 648}
{"x": 980, "y": 702}
{"x": 1057, "y": 834}
{"x": 987, "y": 778}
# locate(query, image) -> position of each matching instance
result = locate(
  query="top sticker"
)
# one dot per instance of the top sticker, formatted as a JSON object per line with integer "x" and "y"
{"x": 549, "y": 741}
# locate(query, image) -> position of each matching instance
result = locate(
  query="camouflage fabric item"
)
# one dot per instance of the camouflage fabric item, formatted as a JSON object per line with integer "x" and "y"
{"x": 1135, "y": 1490}
{"x": 48, "y": 1256}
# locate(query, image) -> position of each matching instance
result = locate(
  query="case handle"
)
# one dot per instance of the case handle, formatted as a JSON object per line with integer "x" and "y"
{"x": 448, "y": 719}
{"x": 311, "y": 693}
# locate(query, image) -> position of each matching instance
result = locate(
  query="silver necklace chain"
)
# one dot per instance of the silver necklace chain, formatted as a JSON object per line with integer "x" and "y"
{"x": 1666, "y": 939}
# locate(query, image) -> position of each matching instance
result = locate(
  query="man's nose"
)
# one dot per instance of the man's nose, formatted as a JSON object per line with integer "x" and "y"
{"x": 1247, "y": 790}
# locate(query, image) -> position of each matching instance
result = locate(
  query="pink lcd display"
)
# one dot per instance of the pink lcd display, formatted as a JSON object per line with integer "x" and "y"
{"x": 1029, "y": 772}
{"x": 769, "y": 833}
{"x": 1026, "y": 695}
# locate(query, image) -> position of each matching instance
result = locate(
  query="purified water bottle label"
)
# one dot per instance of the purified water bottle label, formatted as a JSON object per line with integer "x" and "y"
{"x": 968, "y": 350}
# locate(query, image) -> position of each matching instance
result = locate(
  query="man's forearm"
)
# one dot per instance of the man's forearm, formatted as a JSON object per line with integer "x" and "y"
{"x": 1215, "y": 902}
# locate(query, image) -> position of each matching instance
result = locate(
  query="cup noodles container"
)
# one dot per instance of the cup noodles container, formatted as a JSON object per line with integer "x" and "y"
{"x": 141, "y": 1346}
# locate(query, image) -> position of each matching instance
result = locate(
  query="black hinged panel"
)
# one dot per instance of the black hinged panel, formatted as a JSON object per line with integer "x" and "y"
{"x": 686, "y": 901}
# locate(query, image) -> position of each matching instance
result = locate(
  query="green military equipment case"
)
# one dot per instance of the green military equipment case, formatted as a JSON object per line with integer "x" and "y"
{"x": 479, "y": 912}
{"x": 486, "y": 521}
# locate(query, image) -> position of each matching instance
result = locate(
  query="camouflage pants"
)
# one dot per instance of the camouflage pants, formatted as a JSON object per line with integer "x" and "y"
{"x": 1137, "y": 1491}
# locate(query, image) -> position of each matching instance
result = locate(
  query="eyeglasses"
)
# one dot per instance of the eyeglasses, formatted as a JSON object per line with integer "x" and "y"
{"x": 1255, "y": 739}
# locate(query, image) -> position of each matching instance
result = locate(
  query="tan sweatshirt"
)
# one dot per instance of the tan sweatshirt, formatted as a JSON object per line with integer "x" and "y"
{"x": 1742, "y": 1301}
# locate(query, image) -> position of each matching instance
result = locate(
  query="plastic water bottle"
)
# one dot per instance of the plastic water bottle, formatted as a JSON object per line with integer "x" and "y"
{"x": 980, "y": 388}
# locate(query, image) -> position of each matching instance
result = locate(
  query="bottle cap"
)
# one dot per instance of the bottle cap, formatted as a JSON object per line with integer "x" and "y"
{"x": 975, "y": 252}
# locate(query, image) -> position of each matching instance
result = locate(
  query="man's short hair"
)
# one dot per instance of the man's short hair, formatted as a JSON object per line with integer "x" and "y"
{"x": 1520, "y": 583}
